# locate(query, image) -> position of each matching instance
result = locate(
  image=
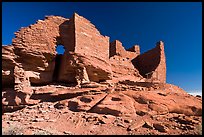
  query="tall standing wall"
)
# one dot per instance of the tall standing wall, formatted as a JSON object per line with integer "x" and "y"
{"x": 89, "y": 41}
{"x": 153, "y": 61}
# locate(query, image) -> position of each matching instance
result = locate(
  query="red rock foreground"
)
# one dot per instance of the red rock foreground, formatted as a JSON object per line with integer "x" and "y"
{"x": 95, "y": 87}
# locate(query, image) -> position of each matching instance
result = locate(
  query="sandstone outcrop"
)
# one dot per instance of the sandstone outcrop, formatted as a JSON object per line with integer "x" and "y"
{"x": 33, "y": 49}
{"x": 93, "y": 81}
{"x": 8, "y": 64}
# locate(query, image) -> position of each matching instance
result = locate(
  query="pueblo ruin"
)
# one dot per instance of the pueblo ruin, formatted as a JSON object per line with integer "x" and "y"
{"x": 93, "y": 75}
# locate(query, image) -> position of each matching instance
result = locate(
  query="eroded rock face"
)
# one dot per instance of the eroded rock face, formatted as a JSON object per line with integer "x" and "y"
{"x": 95, "y": 59}
{"x": 34, "y": 47}
{"x": 92, "y": 77}
{"x": 82, "y": 69}
{"x": 8, "y": 64}
{"x": 89, "y": 57}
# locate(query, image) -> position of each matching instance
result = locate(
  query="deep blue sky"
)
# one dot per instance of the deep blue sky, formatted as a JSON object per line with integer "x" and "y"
{"x": 179, "y": 25}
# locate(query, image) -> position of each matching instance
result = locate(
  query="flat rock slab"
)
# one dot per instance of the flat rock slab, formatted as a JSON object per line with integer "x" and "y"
{"x": 86, "y": 102}
{"x": 115, "y": 104}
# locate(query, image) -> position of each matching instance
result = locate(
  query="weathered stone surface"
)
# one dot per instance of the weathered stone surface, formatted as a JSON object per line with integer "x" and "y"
{"x": 94, "y": 85}
{"x": 8, "y": 64}
{"x": 121, "y": 66}
{"x": 116, "y": 104}
{"x": 120, "y": 60}
{"x": 85, "y": 102}
{"x": 160, "y": 127}
{"x": 135, "y": 48}
{"x": 137, "y": 124}
{"x": 34, "y": 47}
{"x": 175, "y": 101}
{"x": 88, "y": 39}
{"x": 85, "y": 68}
{"x": 152, "y": 64}
{"x": 116, "y": 48}
{"x": 21, "y": 86}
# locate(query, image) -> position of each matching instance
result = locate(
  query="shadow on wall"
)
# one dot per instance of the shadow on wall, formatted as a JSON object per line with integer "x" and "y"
{"x": 64, "y": 44}
{"x": 147, "y": 61}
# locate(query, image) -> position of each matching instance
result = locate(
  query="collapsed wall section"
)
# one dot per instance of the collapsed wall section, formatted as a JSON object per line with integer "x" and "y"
{"x": 120, "y": 60}
{"x": 116, "y": 48}
{"x": 133, "y": 52}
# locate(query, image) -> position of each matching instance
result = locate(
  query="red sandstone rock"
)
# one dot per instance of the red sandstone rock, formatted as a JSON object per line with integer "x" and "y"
{"x": 86, "y": 56}
{"x": 8, "y": 64}
{"x": 85, "y": 102}
{"x": 159, "y": 127}
{"x": 116, "y": 104}
{"x": 152, "y": 64}
{"x": 174, "y": 102}
{"x": 85, "y": 69}
{"x": 99, "y": 84}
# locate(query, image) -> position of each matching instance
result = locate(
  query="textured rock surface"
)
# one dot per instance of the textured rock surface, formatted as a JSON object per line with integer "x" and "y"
{"x": 95, "y": 87}
{"x": 34, "y": 47}
{"x": 116, "y": 48}
{"x": 88, "y": 39}
{"x": 85, "y": 68}
{"x": 164, "y": 110}
{"x": 152, "y": 64}
{"x": 8, "y": 64}
{"x": 120, "y": 60}
{"x": 88, "y": 55}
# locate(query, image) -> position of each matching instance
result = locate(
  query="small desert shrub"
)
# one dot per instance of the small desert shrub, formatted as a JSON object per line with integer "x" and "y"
{"x": 12, "y": 130}
{"x": 47, "y": 131}
{"x": 41, "y": 132}
{"x": 199, "y": 129}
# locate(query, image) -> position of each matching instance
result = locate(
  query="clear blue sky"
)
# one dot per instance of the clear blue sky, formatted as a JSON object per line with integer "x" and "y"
{"x": 178, "y": 24}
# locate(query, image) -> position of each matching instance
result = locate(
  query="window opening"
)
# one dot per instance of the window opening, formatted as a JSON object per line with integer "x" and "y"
{"x": 60, "y": 49}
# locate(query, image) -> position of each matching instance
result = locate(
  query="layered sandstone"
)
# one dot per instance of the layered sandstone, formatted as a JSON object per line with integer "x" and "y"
{"x": 93, "y": 76}
{"x": 34, "y": 47}
{"x": 34, "y": 50}
{"x": 8, "y": 64}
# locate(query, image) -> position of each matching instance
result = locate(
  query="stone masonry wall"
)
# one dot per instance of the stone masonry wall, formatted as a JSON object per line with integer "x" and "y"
{"x": 89, "y": 41}
{"x": 80, "y": 36}
{"x": 40, "y": 36}
{"x": 34, "y": 50}
{"x": 116, "y": 48}
{"x": 67, "y": 38}
{"x": 34, "y": 47}
{"x": 152, "y": 61}
{"x": 120, "y": 60}
{"x": 133, "y": 52}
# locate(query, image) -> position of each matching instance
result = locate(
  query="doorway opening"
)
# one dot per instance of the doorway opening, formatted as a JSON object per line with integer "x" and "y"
{"x": 58, "y": 60}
